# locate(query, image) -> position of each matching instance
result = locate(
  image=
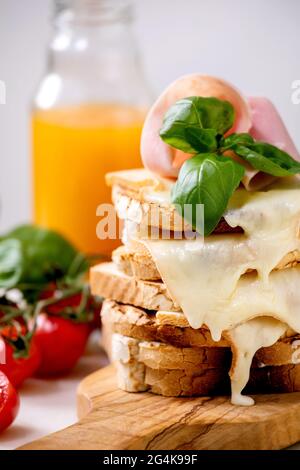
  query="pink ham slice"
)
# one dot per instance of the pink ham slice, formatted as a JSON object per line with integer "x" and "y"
{"x": 160, "y": 157}
{"x": 255, "y": 115}
{"x": 267, "y": 126}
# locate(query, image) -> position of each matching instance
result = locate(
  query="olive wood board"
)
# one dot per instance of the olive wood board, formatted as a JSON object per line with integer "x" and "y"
{"x": 111, "y": 419}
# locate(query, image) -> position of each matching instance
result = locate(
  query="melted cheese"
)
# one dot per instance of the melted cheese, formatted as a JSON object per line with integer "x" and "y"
{"x": 247, "y": 339}
{"x": 218, "y": 298}
{"x": 207, "y": 279}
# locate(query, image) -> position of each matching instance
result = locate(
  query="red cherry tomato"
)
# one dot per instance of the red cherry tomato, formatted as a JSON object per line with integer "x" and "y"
{"x": 18, "y": 370}
{"x": 57, "y": 307}
{"x": 61, "y": 342}
{"x": 94, "y": 306}
{"x": 9, "y": 402}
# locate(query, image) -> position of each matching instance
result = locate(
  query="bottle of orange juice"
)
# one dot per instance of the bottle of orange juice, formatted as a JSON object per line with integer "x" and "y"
{"x": 87, "y": 117}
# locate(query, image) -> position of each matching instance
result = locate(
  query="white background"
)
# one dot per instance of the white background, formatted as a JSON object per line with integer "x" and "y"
{"x": 255, "y": 44}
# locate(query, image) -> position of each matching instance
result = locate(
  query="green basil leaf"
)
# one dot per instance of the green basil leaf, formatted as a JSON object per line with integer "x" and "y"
{"x": 193, "y": 124}
{"x": 267, "y": 158}
{"x": 11, "y": 263}
{"x": 236, "y": 139}
{"x": 207, "y": 179}
{"x": 46, "y": 255}
{"x": 189, "y": 138}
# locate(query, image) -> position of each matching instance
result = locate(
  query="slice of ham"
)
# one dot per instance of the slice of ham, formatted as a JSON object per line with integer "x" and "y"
{"x": 160, "y": 157}
{"x": 258, "y": 116}
{"x": 267, "y": 126}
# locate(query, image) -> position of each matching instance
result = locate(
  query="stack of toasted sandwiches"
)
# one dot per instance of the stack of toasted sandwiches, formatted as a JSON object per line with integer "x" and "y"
{"x": 184, "y": 315}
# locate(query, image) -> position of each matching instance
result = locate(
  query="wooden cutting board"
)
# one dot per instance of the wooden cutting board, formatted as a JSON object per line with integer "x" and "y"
{"x": 112, "y": 419}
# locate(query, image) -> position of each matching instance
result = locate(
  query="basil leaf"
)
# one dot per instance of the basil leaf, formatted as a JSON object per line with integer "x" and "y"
{"x": 46, "y": 255}
{"x": 193, "y": 124}
{"x": 207, "y": 179}
{"x": 190, "y": 139}
{"x": 236, "y": 139}
{"x": 11, "y": 265}
{"x": 267, "y": 158}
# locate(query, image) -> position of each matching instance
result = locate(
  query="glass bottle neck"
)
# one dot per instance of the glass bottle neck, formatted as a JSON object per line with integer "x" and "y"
{"x": 92, "y": 13}
{"x": 92, "y": 58}
{"x": 97, "y": 27}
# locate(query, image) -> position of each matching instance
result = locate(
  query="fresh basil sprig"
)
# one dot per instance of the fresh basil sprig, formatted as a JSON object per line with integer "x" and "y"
{"x": 193, "y": 124}
{"x": 31, "y": 257}
{"x": 235, "y": 139}
{"x": 262, "y": 156}
{"x": 208, "y": 179}
{"x": 37, "y": 261}
{"x": 197, "y": 125}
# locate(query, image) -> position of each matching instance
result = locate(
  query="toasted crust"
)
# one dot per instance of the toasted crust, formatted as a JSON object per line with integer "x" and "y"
{"x": 165, "y": 327}
{"x": 163, "y": 356}
{"x": 135, "y": 194}
{"x": 134, "y": 374}
{"x": 138, "y": 207}
{"x": 277, "y": 379}
{"x": 273, "y": 379}
{"x": 158, "y": 355}
{"x": 107, "y": 281}
{"x": 138, "y": 180}
{"x": 137, "y": 261}
{"x": 175, "y": 383}
{"x": 138, "y": 264}
{"x": 285, "y": 352}
{"x": 130, "y": 371}
{"x": 165, "y": 340}
{"x": 131, "y": 377}
{"x": 170, "y": 371}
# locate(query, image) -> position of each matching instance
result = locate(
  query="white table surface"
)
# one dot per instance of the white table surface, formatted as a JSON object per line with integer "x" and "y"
{"x": 50, "y": 405}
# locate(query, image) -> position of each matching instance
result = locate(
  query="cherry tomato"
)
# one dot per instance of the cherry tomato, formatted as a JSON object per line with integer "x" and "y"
{"x": 93, "y": 306}
{"x": 61, "y": 342}
{"x": 18, "y": 370}
{"x": 9, "y": 402}
{"x": 57, "y": 307}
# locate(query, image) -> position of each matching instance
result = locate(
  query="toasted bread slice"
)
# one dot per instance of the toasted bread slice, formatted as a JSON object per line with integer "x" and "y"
{"x": 135, "y": 375}
{"x": 107, "y": 281}
{"x": 158, "y": 355}
{"x": 171, "y": 371}
{"x": 164, "y": 356}
{"x": 137, "y": 261}
{"x": 143, "y": 198}
{"x": 272, "y": 379}
{"x": 285, "y": 352}
{"x": 138, "y": 264}
{"x": 137, "y": 181}
{"x": 167, "y": 327}
{"x": 162, "y": 341}
{"x": 130, "y": 371}
{"x": 175, "y": 383}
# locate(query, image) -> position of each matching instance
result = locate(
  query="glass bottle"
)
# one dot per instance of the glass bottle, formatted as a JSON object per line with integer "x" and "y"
{"x": 87, "y": 117}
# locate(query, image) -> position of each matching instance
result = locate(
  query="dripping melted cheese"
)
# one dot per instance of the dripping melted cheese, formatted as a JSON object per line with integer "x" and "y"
{"x": 210, "y": 280}
{"x": 247, "y": 338}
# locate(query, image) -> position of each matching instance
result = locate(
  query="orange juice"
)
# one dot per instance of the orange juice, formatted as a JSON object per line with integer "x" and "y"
{"x": 73, "y": 148}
